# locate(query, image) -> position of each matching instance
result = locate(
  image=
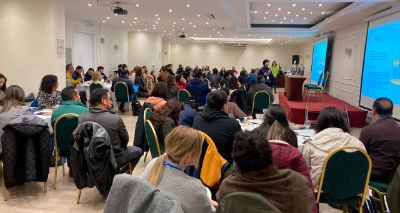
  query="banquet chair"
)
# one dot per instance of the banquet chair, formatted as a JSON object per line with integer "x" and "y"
{"x": 94, "y": 86}
{"x": 183, "y": 95}
{"x": 152, "y": 140}
{"x": 317, "y": 89}
{"x": 261, "y": 100}
{"x": 146, "y": 116}
{"x": 121, "y": 93}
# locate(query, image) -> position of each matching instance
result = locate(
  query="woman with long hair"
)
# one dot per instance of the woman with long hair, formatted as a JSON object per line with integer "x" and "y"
{"x": 276, "y": 113}
{"x": 183, "y": 148}
{"x": 166, "y": 118}
{"x": 139, "y": 80}
{"x": 49, "y": 96}
{"x": 172, "y": 88}
{"x": 3, "y": 83}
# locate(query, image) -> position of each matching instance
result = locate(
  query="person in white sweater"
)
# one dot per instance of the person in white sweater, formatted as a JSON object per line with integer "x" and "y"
{"x": 332, "y": 132}
{"x": 183, "y": 146}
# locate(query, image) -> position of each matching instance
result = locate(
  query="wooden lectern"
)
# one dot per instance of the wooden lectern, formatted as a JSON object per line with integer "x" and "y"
{"x": 294, "y": 87}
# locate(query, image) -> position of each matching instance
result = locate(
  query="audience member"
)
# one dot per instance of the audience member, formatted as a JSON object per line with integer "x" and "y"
{"x": 222, "y": 72}
{"x": 100, "y": 69}
{"x": 233, "y": 83}
{"x": 382, "y": 140}
{"x": 183, "y": 148}
{"x": 274, "y": 74}
{"x": 332, "y": 132}
{"x": 69, "y": 71}
{"x": 77, "y": 74}
{"x": 3, "y": 83}
{"x": 188, "y": 113}
{"x": 251, "y": 79}
{"x": 217, "y": 124}
{"x": 265, "y": 72}
{"x": 158, "y": 96}
{"x": 172, "y": 88}
{"x": 165, "y": 119}
{"x": 276, "y": 113}
{"x": 72, "y": 104}
{"x": 198, "y": 89}
{"x": 285, "y": 189}
{"x": 139, "y": 80}
{"x": 214, "y": 78}
{"x": 49, "y": 96}
{"x": 115, "y": 127}
{"x": 13, "y": 106}
{"x": 123, "y": 77}
{"x": 180, "y": 81}
{"x": 232, "y": 108}
{"x": 257, "y": 87}
{"x": 150, "y": 80}
{"x": 163, "y": 74}
{"x": 89, "y": 74}
{"x": 243, "y": 77}
{"x": 96, "y": 79}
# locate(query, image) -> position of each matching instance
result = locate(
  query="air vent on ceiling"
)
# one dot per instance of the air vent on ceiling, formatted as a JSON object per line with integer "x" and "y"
{"x": 211, "y": 16}
{"x": 238, "y": 45}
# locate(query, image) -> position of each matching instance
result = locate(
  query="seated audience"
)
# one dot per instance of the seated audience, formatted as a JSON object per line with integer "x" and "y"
{"x": 13, "y": 106}
{"x": 260, "y": 86}
{"x": 277, "y": 113}
{"x": 243, "y": 77}
{"x": 96, "y": 79}
{"x": 100, "y": 69}
{"x": 139, "y": 80}
{"x": 382, "y": 140}
{"x": 165, "y": 119}
{"x": 214, "y": 78}
{"x": 232, "y": 108}
{"x": 198, "y": 89}
{"x": 77, "y": 74}
{"x": 123, "y": 77}
{"x": 72, "y": 104}
{"x": 48, "y": 96}
{"x": 233, "y": 83}
{"x": 115, "y": 127}
{"x": 332, "y": 132}
{"x": 251, "y": 79}
{"x": 180, "y": 81}
{"x": 149, "y": 79}
{"x": 285, "y": 189}
{"x": 70, "y": 80}
{"x": 158, "y": 96}
{"x": 217, "y": 124}
{"x": 183, "y": 148}
{"x": 3, "y": 87}
{"x": 188, "y": 113}
{"x": 89, "y": 74}
{"x": 172, "y": 88}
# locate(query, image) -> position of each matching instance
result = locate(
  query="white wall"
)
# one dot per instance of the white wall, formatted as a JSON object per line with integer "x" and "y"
{"x": 28, "y": 47}
{"x": 216, "y": 55}
{"x": 144, "y": 49}
{"x": 346, "y": 69}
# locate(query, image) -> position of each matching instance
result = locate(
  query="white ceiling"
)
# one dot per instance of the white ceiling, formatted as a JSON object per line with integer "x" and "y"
{"x": 233, "y": 18}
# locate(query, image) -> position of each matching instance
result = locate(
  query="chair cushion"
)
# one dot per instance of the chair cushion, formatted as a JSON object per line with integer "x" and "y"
{"x": 382, "y": 187}
{"x": 311, "y": 86}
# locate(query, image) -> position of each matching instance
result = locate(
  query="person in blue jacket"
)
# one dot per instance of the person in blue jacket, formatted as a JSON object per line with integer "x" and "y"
{"x": 266, "y": 72}
{"x": 198, "y": 89}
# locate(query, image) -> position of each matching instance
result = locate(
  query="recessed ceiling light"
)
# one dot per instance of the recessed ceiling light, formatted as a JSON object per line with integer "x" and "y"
{"x": 164, "y": 31}
{"x": 89, "y": 4}
{"x": 297, "y": 15}
{"x": 269, "y": 5}
{"x": 154, "y": 25}
{"x": 198, "y": 15}
{"x": 130, "y": 25}
{"x": 322, "y": 12}
{"x": 207, "y": 23}
{"x": 280, "y": 22}
{"x": 248, "y": 35}
{"x": 108, "y": 17}
{"x": 145, "y": 29}
{"x": 156, "y": 15}
{"x": 170, "y": 10}
{"x": 173, "y": 30}
{"x": 266, "y": 12}
{"x": 188, "y": 5}
{"x": 213, "y": 29}
{"x": 310, "y": 12}
{"x": 293, "y": 5}
{"x": 217, "y": 32}
{"x": 190, "y": 23}
{"x": 273, "y": 20}
{"x": 303, "y": 9}
{"x": 194, "y": 26}
{"x": 304, "y": 18}
{"x": 279, "y": 8}
{"x": 265, "y": 17}
{"x": 289, "y": 12}
{"x": 123, "y": 22}
{"x": 195, "y": 34}
{"x": 291, "y": 20}
{"x": 319, "y": 5}
{"x": 276, "y": 15}
{"x": 183, "y": 28}
{"x": 284, "y": 18}
{"x": 115, "y": 14}
{"x": 183, "y": 19}
{"x": 156, "y": 22}
{"x": 104, "y": 21}
{"x": 134, "y": 22}
{"x": 158, "y": 18}
{"x": 256, "y": 12}
{"x": 135, "y": 18}
{"x": 173, "y": 22}
{"x": 137, "y": 5}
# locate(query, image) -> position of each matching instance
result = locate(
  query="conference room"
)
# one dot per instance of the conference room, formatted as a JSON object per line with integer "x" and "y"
{"x": 200, "y": 106}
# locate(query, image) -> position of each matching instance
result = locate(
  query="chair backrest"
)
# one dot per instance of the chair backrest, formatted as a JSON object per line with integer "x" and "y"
{"x": 325, "y": 80}
{"x": 340, "y": 179}
{"x": 147, "y": 114}
{"x": 183, "y": 95}
{"x": 245, "y": 202}
{"x": 152, "y": 139}
{"x": 121, "y": 92}
{"x": 261, "y": 100}
{"x": 64, "y": 126}
{"x": 94, "y": 86}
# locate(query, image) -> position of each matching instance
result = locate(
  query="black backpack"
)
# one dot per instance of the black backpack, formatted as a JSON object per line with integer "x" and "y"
{"x": 136, "y": 108}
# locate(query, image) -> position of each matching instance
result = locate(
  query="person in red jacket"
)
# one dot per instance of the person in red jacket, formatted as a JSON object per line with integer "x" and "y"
{"x": 180, "y": 81}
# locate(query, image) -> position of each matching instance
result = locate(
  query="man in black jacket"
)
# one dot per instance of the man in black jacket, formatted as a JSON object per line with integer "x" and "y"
{"x": 100, "y": 113}
{"x": 124, "y": 77}
{"x": 217, "y": 124}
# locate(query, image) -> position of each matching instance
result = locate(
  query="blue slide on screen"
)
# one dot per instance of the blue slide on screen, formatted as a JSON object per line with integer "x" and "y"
{"x": 381, "y": 73}
{"x": 318, "y": 60}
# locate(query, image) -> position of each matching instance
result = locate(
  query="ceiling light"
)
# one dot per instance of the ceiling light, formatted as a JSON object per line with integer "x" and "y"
{"x": 198, "y": 15}
{"x": 173, "y": 30}
{"x": 284, "y": 18}
{"x": 164, "y": 31}
{"x": 183, "y": 28}
{"x": 248, "y": 35}
{"x": 170, "y": 10}
{"x": 183, "y": 19}
{"x": 280, "y": 22}
{"x": 304, "y": 18}
{"x": 145, "y": 29}
{"x": 123, "y": 22}
{"x": 137, "y": 5}
{"x": 156, "y": 22}
{"x": 289, "y": 12}
{"x": 273, "y": 20}
{"x": 156, "y": 15}
{"x": 134, "y": 22}
{"x": 188, "y": 5}
{"x": 217, "y": 32}
{"x": 269, "y": 5}
{"x": 233, "y": 40}
{"x": 115, "y": 14}
{"x": 265, "y": 17}
{"x": 319, "y": 5}
{"x": 173, "y": 22}
{"x": 279, "y": 8}
{"x": 310, "y": 12}
{"x": 322, "y": 12}
{"x": 276, "y": 15}
{"x": 213, "y": 29}
{"x": 207, "y": 23}
{"x": 135, "y": 18}
{"x": 194, "y": 26}
{"x": 190, "y": 23}
{"x": 89, "y": 4}
{"x": 256, "y": 12}
{"x": 303, "y": 9}
{"x": 293, "y": 5}
{"x": 104, "y": 21}
{"x": 297, "y": 15}
{"x": 108, "y": 17}
{"x": 154, "y": 28}
{"x": 266, "y": 12}
{"x": 154, "y": 25}
{"x": 291, "y": 20}
{"x": 130, "y": 25}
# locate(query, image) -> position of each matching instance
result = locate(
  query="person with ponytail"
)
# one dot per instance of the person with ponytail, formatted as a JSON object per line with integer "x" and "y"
{"x": 277, "y": 113}
{"x": 183, "y": 146}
